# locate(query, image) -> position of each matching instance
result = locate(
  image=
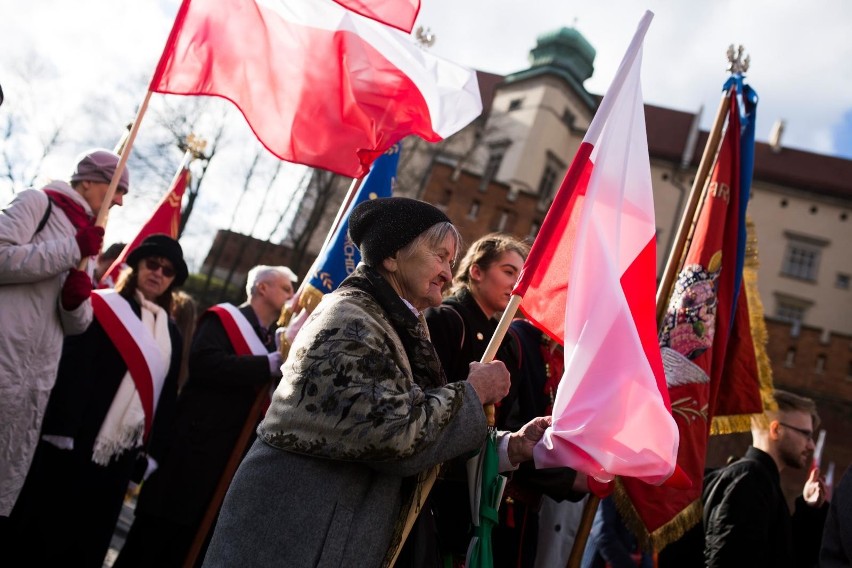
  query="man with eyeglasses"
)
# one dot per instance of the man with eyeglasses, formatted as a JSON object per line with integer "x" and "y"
{"x": 44, "y": 234}
{"x": 233, "y": 357}
{"x": 746, "y": 518}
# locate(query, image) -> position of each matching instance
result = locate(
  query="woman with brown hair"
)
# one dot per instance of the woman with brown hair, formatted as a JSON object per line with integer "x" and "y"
{"x": 113, "y": 400}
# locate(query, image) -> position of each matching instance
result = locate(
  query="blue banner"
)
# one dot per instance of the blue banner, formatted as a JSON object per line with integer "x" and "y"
{"x": 341, "y": 256}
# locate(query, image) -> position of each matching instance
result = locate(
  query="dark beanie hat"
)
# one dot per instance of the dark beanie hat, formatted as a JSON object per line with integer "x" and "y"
{"x": 165, "y": 247}
{"x": 99, "y": 165}
{"x": 380, "y": 227}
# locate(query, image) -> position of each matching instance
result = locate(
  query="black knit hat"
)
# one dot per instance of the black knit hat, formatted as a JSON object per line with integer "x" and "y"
{"x": 380, "y": 227}
{"x": 163, "y": 246}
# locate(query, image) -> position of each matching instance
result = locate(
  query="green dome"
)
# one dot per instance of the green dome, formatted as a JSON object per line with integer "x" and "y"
{"x": 567, "y": 50}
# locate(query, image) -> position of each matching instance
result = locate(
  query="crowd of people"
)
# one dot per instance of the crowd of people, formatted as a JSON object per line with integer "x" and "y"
{"x": 324, "y": 452}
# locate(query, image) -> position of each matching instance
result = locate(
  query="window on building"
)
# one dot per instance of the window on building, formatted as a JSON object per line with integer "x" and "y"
{"x": 534, "y": 228}
{"x": 515, "y": 104}
{"x": 790, "y": 357}
{"x": 791, "y": 309}
{"x": 446, "y": 197}
{"x": 504, "y": 221}
{"x": 820, "y": 364}
{"x": 842, "y": 281}
{"x": 491, "y": 169}
{"x": 801, "y": 259}
{"x": 547, "y": 185}
{"x": 473, "y": 212}
{"x": 568, "y": 118}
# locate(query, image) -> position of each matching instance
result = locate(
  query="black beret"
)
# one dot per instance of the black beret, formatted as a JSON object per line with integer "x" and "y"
{"x": 163, "y": 246}
{"x": 380, "y": 227}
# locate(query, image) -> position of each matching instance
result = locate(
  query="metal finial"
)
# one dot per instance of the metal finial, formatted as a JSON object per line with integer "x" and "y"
{"x": 736, "y": 63}
{"x": 424, "y": 36}
{"x": 196, "y": 145}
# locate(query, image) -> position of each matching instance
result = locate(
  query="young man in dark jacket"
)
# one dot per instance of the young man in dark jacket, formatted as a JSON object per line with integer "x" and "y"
{"x": 746, "y": 519}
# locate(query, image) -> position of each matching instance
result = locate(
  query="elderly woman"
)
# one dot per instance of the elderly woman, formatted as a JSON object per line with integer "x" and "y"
{"x": 114, "y": 396}
{"x": 363, "y": 409}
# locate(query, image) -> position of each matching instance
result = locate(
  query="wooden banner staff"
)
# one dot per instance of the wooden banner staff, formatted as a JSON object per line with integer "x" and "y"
{"x": 101, "y": 220}
{"x": 257, "y": 409}
{"x": 684, "y": 230}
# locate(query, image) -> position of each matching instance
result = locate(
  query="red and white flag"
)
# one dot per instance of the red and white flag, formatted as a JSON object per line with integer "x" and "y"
{"x": 590, "y": 282}
{"x": 395, "y": 13}
{"x": 318, "y": 84}
{"x": 165, "y": 220}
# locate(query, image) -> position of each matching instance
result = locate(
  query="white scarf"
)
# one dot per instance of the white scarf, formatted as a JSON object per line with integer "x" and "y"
{"x": 124, "y": 425}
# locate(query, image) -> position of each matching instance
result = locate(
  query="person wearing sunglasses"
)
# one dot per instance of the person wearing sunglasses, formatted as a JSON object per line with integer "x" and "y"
{"x": 746, "y": 519}
{"x": 113, "y": 402}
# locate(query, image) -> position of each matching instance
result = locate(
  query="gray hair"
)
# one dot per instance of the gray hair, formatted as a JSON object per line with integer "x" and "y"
{"x": 434, "y": 237}
{"x": 261, "y": 273}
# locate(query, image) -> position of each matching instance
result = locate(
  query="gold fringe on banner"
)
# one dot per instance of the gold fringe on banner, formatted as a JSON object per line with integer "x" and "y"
{"x": 668, "y": 533}
{"x": 760, "y": 338}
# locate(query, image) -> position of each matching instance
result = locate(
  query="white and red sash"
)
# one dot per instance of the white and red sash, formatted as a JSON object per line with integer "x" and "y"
{"x": 137, "y": 347}
{"x": 243, "y": 337}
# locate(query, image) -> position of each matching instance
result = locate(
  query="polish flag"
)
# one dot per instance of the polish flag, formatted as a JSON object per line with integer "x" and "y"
{"x": 165, "y": 220}
{"x": 318, "y": 84}
{"x": 589, "y": 281}
{"x": 399, "y": 14}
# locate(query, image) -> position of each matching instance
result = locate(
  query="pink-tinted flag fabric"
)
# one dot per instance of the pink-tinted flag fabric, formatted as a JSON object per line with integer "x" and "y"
{"x": 399, "y": 14}
{"x": 165, "y": 220}
{"x": 590, "y": 281}
{"x": 318, "y": 84}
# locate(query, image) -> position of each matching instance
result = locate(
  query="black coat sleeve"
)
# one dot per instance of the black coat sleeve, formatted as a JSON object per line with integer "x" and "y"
{"x": 212, "y": 358}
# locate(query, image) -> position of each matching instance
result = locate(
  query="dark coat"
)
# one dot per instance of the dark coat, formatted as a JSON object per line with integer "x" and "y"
{"x": 211, "y": 412}
{"x": 67, "y": 495}
{"x": 747, "y": 522}
{"x": 836, "y": 550}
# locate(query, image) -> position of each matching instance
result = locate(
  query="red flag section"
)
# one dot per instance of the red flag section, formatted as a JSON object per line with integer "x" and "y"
{"x": 706, "y": 347}
{"x": 398, "y": 14}
{"x": 319, "y": 85}
{"x": 165, "y": 220}
{"x": 589, "y": 281}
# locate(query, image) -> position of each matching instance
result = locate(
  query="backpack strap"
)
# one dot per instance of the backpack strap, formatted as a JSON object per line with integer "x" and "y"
{"x": 44, "y": 217}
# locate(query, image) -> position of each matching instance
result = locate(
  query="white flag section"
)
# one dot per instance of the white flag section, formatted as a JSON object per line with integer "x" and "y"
{"x": 611, "y": 414}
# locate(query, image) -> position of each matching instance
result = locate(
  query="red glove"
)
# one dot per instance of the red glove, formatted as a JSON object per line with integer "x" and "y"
{"x": 90, "y": 240}
{"x": 76, "y": 290}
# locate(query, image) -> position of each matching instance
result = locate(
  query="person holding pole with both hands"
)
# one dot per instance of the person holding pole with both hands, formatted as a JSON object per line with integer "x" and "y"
{"x": 364, "y": 411}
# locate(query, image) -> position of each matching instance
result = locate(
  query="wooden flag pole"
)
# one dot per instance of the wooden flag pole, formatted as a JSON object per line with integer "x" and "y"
{"x": 684, "y": 230}
{"x": 101, "y": 220}
{"x": 487, "y": 357}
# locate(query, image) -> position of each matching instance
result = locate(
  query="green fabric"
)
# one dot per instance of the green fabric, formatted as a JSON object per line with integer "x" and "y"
{"x": 482, "y": 556}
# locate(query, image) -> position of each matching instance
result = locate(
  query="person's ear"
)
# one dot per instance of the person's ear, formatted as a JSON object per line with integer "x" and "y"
{"x": 391, "y": 263}
{"x": 773, "y": 430}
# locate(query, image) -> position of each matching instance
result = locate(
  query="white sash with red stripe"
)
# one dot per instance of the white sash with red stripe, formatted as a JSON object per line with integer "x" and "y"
{"x": 137, "y": 347}
{"x": 242, "y": 335}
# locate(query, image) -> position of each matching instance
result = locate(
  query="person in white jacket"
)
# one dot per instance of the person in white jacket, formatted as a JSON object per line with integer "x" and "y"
{"x": 44, "y": 235}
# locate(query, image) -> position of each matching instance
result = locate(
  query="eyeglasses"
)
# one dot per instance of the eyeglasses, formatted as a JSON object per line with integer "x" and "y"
{"x": 153, "y": 265}
{"x": 807, "y": 433}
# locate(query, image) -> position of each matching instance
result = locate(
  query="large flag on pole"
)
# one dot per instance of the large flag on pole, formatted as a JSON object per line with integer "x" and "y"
{"x": 165, "y": 220}
{"x": 706, "y": 340}
{"x": 318, "y": 84}
{"x": 589, "y": 281}
{"x": 339, "y": 259}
